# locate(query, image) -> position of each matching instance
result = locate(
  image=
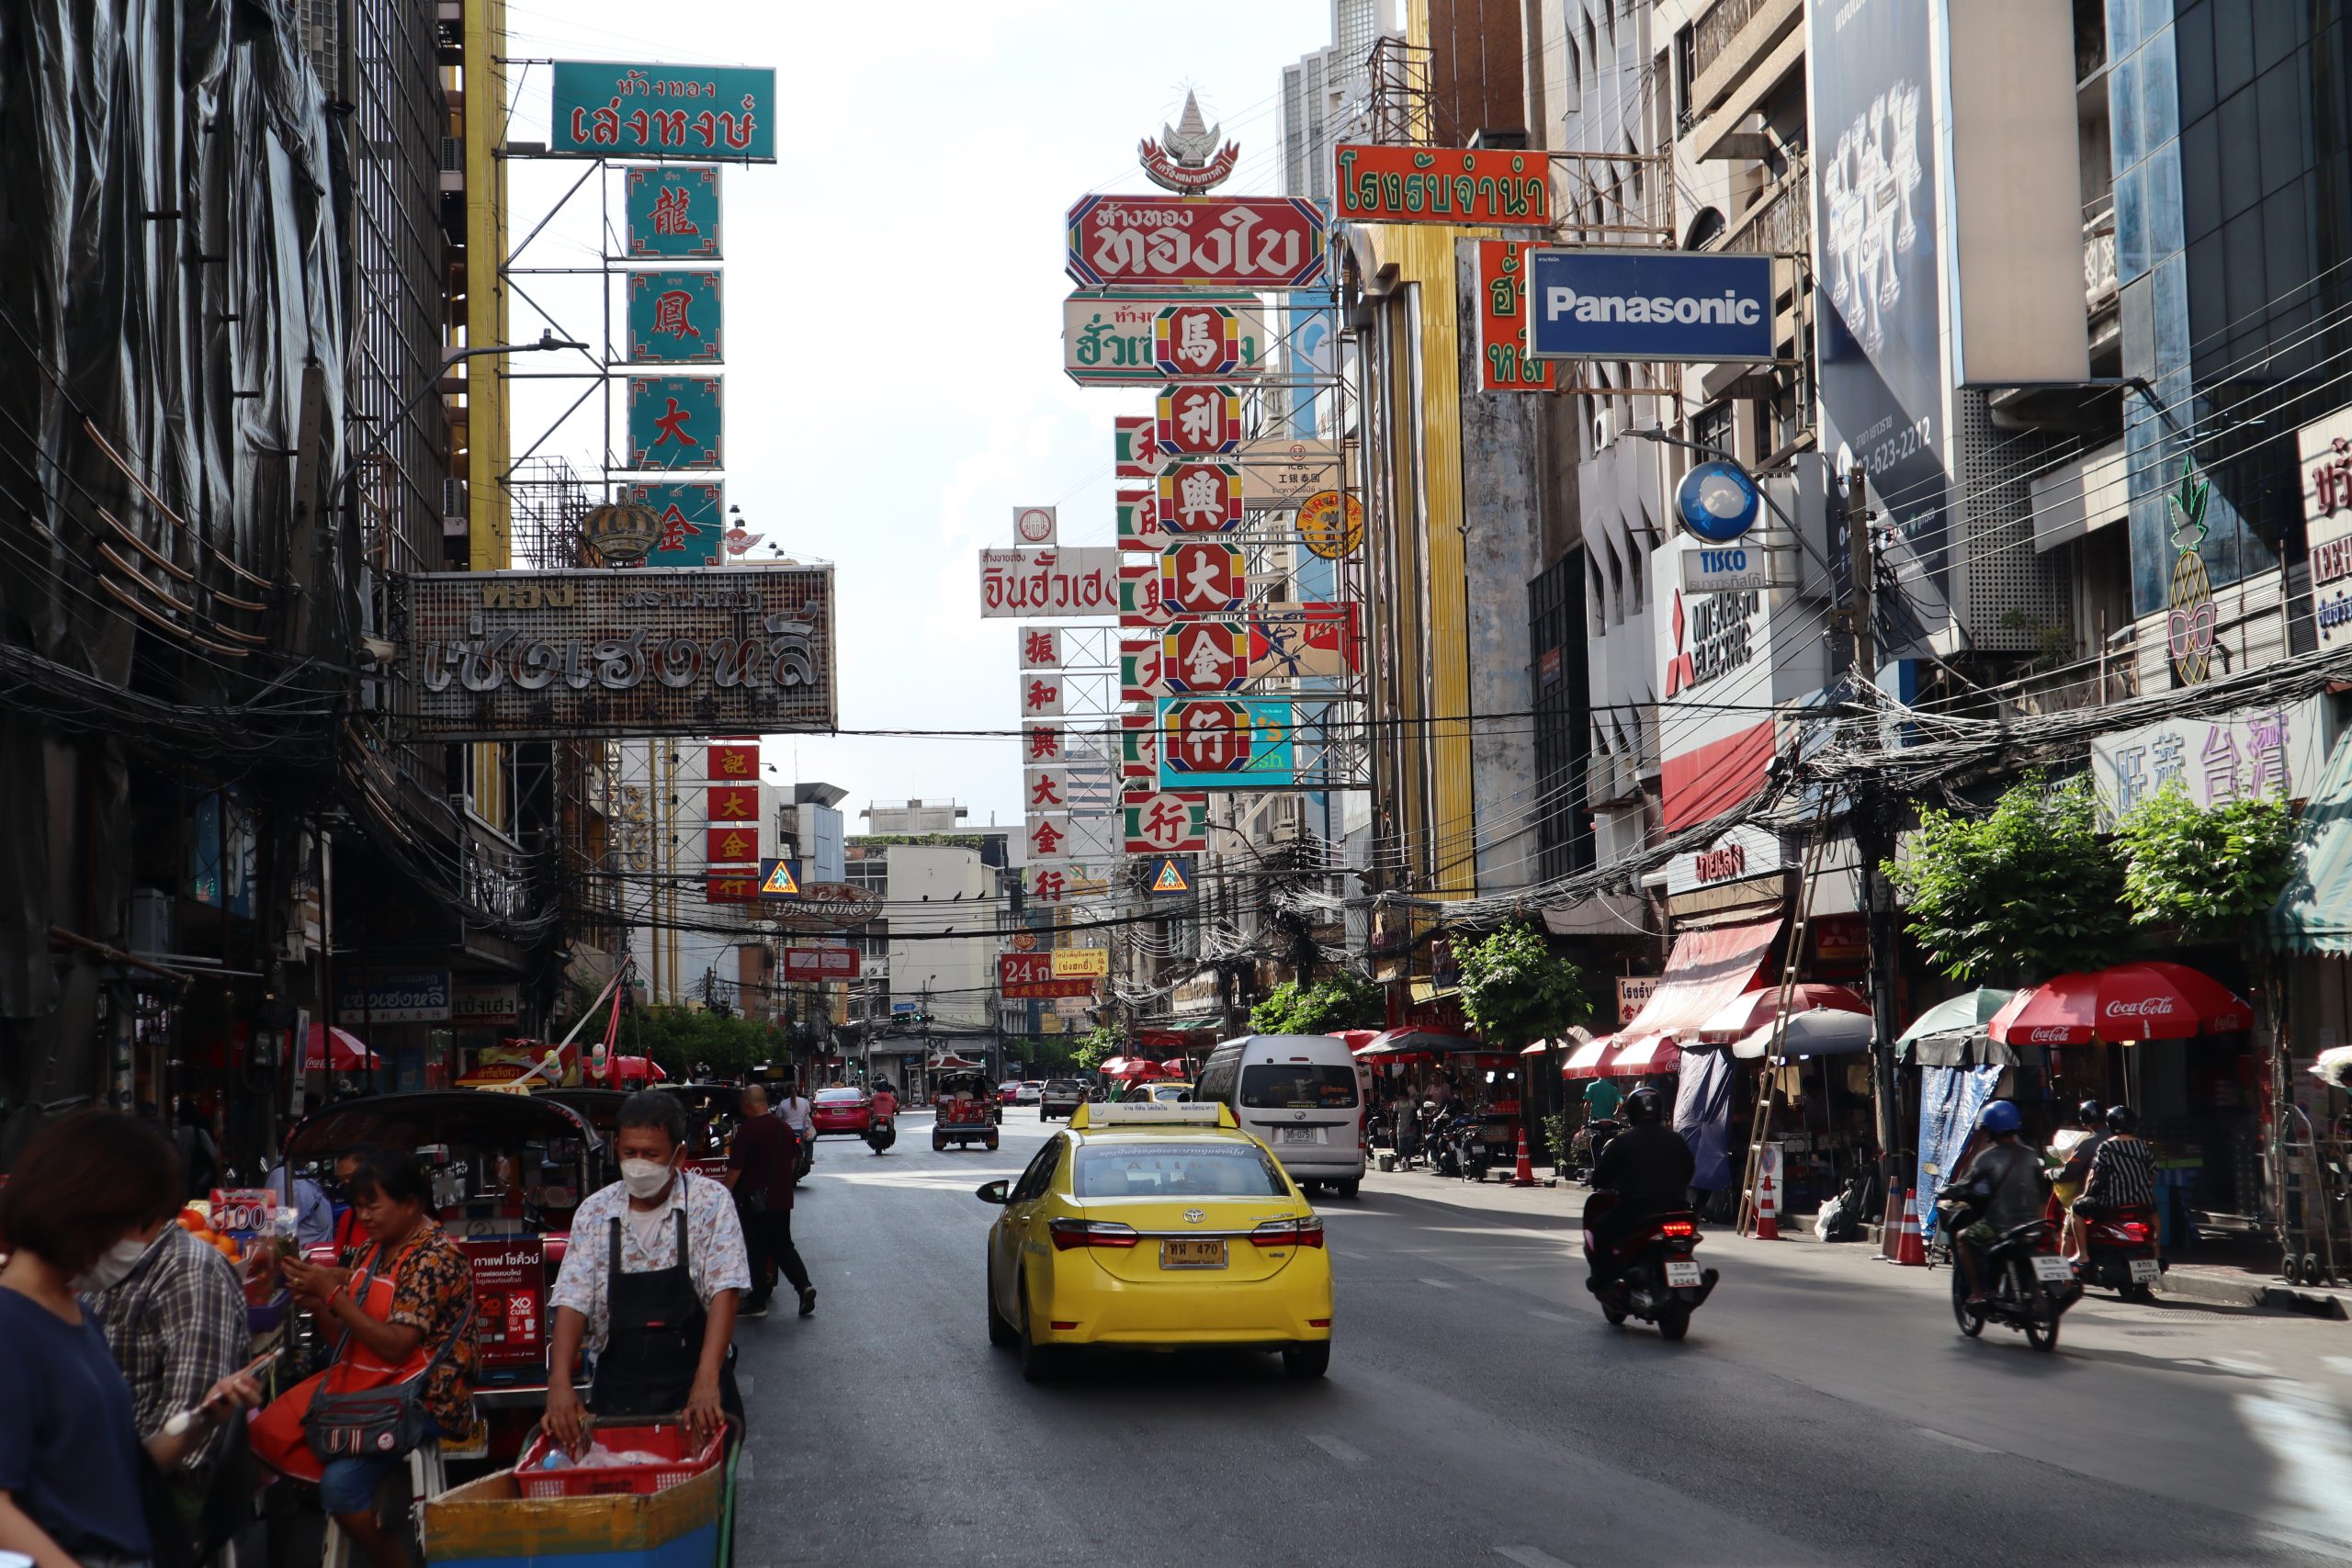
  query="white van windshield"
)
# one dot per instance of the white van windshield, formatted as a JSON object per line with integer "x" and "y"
{"x": 1297, "y": 1086}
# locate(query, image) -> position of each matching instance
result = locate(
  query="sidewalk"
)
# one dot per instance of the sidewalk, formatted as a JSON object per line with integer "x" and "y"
{"x": 2218, "y": 1284}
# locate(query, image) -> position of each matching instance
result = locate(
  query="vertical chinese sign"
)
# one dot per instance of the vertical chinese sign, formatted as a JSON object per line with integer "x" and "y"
{"x": 1503, "y": 362}
{"x": 731, "y": 813}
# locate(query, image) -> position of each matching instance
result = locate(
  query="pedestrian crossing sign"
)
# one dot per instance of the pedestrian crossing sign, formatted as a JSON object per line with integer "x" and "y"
{"x": 1170, "y": 877}
{"x": 778, "y": 880}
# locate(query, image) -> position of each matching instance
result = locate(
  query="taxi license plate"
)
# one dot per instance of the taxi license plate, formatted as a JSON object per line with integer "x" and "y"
{"x": 2146, "y": 1271}
{"x": 1204, "y": 1254}
{"x": 1680, "y": 1272}
{"x": 1298, "y": 1135}
{"x": 2050, "y": 1268}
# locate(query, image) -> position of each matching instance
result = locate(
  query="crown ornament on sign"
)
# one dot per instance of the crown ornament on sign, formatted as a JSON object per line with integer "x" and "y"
{"x": 621, "y": 531}
{"x": 1186, "y": 158}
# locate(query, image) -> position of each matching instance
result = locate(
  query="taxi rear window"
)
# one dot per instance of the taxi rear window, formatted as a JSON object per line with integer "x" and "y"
{"x": 835, "y": 1096}
{"x": 1205, "y": 1169}
{"x": 1297, "y": 1086}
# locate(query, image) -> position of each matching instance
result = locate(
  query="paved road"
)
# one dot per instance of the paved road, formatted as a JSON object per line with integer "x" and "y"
{"x": 1480, "y": 1410}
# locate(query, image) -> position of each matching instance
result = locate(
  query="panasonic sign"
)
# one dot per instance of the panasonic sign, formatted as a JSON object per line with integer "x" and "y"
{"x": 1690, "y": 306}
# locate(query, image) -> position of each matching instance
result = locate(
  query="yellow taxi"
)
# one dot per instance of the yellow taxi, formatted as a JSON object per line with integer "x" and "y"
{"x": 1161, "y": 1227}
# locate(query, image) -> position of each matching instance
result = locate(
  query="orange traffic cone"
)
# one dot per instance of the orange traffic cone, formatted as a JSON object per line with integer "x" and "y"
{"x": 1522, "y": 1173}
{"x": 1768, "y": 1219}
{"x": 1909, "y": 1250}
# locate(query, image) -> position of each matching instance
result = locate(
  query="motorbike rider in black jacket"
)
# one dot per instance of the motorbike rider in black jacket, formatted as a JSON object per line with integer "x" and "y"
{"x": 1648, "y": 1167}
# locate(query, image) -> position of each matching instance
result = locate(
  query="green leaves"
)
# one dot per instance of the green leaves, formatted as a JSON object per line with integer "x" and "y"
{"x": 1346, "y": 1001}
{"x": 1101, "y": 1043}
{"x": 2205, "y": 872}
{"x": 1516, "y": 990}
{"x": 2025, "y": 891}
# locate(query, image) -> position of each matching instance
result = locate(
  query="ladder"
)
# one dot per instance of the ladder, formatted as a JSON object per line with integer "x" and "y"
{"x": 1767, "y": 1093}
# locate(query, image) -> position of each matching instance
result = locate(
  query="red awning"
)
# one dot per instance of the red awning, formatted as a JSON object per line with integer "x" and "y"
{"x": 1635, "y": 1056}
{"x": 1706, "y": 970}
{"x": 1585, "y": 1061}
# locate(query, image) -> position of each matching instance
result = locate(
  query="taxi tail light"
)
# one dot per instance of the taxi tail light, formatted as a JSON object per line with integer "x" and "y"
{"x": 1068, "y": 1234}
{"x": 1307, "y": 1232}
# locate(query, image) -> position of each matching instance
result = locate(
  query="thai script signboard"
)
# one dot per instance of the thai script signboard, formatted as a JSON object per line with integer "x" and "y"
{"x": 1442, "y": 185}
{"x": 1504, "y": 363}
{"x": 674, "y": 317}
{"x": 1025, "y": 974}
{"x": 672, "y": 212}
{"x": 1195, "y": 241}
{"x": 1049, "y": 583}
{"x": 1110, "y": 336}
{"x": 639, "y": 109}
{"x": 508, "y": 655}
{"x": 2327, "y": 524}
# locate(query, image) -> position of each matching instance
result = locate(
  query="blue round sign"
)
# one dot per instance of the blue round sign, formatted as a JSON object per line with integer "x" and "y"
{"x": 1718, "y": 502}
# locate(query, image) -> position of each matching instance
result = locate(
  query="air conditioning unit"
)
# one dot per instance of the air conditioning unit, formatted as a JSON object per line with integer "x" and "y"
{"x": 453, "y": 165}
{"x": 453, "y": 506}
{"x": 1606, "y": 427}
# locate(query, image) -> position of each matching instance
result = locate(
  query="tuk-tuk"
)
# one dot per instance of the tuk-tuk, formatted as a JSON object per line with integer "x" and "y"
{"x": 967, "y": 1110}
{"x": 508, "y": 1171}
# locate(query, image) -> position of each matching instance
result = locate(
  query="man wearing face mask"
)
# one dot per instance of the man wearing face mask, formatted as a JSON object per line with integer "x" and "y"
{"x": 172, "y": 1312}
{"x": 650, "y": 1284}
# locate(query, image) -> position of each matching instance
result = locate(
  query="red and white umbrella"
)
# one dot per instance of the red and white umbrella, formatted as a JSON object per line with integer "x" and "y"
{"x": 2129, "y": 1001}
{"x": 1751, "y": 1011}
{"x": 335, "y": 1051}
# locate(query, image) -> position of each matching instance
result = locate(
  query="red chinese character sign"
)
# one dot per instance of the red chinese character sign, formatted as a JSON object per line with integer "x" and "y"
{"x": 732, "y": 846}
{"x": 733, "y": 760}
{"x": 1030, "y": 975}
{"x": 732, "y": 802}
{"x": 1200, "y": 242}
{"x": 674, "y": 422}
{"x": 1205, "y": 655}
{"x": 1136, "y": 453}
{"x": 673, "y": 212}
{"x": 1047, "y": 838}
{"x": 1046, "y": 790}
{"x": 1197, "y": 343}
{"x": 1141, "y": 601}
{"x": 1224, "y": 743}
{"x": 1041, "y": 743}
{"x": 1202, "y": 577}
{"x": 1140, "y": 676}
{"x": 674, "y": 317}
{"x": 1139, "y": 747}
{"x": 1165, "y": 822}
{"x": 1200, "y": 498}
{"x": 1041, "y": 695}
{"x": 1041, "y": 648}
{"x": 1140, "y": 526}
{"x": 1198, "y": 422}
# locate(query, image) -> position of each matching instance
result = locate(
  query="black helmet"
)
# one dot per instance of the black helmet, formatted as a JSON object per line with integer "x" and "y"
{"x": 2122, "y": 1119}
{"x": 1644, "y": 1104}
{"x": 2087, "y": 1113}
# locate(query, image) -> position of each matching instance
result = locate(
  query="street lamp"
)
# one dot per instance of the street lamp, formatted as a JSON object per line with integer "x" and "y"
{"x": 548, "y": 342}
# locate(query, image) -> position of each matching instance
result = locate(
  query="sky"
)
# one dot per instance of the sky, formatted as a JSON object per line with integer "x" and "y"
{"x": 893, "y": 295}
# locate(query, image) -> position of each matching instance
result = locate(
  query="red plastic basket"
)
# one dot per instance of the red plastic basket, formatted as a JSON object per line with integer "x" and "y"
{"x": 667, "y": 1439}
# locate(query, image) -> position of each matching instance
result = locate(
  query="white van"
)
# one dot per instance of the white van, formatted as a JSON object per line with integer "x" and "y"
{"x": 1300, "y": 1096}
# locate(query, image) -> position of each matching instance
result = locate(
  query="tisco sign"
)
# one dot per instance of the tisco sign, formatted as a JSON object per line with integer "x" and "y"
{"x": 1694, "y": 307}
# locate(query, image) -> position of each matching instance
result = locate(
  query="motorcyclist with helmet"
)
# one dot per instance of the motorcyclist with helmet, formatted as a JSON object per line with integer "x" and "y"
{"x": 2007, "y": 1172}
{"x": 1648, "y": 1167}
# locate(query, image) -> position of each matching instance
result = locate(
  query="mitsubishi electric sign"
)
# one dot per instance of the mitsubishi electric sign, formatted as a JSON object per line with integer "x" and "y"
{"x": 1700, "y": 307}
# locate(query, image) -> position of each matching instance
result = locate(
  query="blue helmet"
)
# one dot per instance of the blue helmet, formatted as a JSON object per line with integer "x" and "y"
{"x": 2000, "y": 1117}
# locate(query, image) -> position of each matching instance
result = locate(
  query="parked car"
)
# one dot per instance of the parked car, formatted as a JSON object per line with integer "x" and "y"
{"x": 1060, "y": 1097}
{"x": 841, "y": 1110}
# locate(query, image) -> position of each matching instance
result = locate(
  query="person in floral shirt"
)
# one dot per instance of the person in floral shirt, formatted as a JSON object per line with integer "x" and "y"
{"x": 432, "y": 1308}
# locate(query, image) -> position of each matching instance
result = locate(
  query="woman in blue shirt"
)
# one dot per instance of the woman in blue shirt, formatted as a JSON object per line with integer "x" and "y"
{"x": 70, "y": 1217}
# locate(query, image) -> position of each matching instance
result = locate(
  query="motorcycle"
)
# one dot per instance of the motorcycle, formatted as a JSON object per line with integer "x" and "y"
{"x": 807, "y": 1160}
{"x": 881, "y": 1132}
{"x": 2028, "y": 1285}
{"x": 1650, "y": 1274}
{"x": 2120, "y": 1252}
{"x": 1446, "y": 1144}
{"x": 1585, "y": 1147}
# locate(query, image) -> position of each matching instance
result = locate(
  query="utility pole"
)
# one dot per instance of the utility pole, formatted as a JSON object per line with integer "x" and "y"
{"x": 1874, "y": 841}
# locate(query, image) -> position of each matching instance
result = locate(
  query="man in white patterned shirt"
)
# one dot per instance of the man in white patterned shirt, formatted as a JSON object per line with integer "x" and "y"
{"x": 650, "y": 1281}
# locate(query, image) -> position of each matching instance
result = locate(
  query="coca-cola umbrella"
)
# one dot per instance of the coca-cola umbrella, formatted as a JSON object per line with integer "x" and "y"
{"x": 334, "y": 1049}
{"x": 1136, "y": 1069}
{"x": 2129, "y": 1001}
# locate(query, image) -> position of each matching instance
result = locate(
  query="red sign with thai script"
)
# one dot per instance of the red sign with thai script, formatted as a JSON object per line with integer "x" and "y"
{"x": 1247, "y": 241}
{"x": 1503, "y": 362}
{"x": 510, "y": 1294}
{"x": 1443, "y": 185}
{"x": 1028, "y": 974}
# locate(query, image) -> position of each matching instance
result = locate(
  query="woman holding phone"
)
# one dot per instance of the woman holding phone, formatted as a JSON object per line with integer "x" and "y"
{"x": 81, "y": 1208}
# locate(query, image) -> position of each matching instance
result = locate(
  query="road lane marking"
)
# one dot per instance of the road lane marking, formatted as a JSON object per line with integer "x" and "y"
{"x": 1340, "y": 1451}
{"x": 1529, "y": 1557}
{"x": 1437, "y": 1284}
{"x": 1955, "y": 1442}
{"x": 1549, "y": 1317}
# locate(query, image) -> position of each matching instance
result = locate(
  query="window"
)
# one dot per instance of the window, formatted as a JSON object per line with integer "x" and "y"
{"x": 1298, "y": 1086}
{"x": 1203, "y": 1169}
{"x": 1217, "y": 1077}
{"x": 1040, "y": 1173}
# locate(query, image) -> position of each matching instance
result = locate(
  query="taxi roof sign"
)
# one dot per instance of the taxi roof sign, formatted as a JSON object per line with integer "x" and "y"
{"x": 1170, "y": 877}
{"x": 1152, "y": 1113}
{"x": 779, "y": 879}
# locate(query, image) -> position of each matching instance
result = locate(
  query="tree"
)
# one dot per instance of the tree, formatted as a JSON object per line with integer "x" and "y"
{"x": 2207, "y": 871}
{"x": 1346, "y": 1001}
{"x": 678, "y": 1037}
{"x": 1516, "y": 990}
{"x": 1100, "y": 1043}
{"x": 2022, "y": 892}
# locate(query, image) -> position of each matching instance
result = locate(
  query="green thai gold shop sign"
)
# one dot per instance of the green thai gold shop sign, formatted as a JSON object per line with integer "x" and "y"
{"x": 638, "y": 109}
{"x": 1443, "y": 185}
